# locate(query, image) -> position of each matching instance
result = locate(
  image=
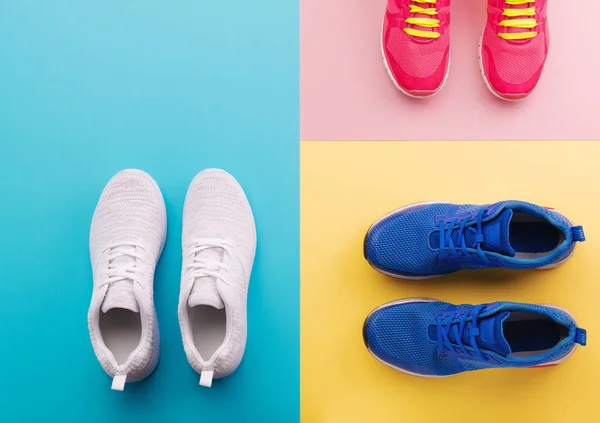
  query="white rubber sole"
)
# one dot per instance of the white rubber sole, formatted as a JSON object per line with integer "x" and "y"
{"x": 391, "y": 75}
{"x": 400, "y": 276}
{"x": 487, "y": 82}
{"x": 431, "y": 300}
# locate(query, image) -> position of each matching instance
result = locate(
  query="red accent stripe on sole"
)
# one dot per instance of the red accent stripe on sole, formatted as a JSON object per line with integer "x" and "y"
{"x": 542, "y": 365}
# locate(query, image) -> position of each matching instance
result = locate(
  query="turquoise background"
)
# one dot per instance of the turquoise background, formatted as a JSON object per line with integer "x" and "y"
{"x": 90, "y": 88}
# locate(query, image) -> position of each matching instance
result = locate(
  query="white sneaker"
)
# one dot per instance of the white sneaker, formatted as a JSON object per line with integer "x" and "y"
{"x": 219, "y": 242}
{"x": 126, "y": 240}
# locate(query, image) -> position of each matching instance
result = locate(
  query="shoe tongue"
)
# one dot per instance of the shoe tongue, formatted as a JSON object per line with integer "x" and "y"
{"x": 120, "y": 294}
{"x": 496, "y": 234}
{"x": 204, "y": 291}
{"x": 491, "y": 335}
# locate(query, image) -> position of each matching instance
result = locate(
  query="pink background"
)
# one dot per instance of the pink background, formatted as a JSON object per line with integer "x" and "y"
{"x": 347, "y": 95}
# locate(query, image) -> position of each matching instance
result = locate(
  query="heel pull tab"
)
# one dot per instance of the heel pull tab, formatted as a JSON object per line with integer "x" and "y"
{"x": 578, "y": 235}
{"x": 581, "y": 336}
{"x": 118, "y": 383}
{"x": 206, "y": 378}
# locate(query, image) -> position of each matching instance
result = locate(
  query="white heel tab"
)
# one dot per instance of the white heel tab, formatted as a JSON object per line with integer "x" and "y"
{"x": 206, "y": 378}
{"x": 118, "y": 383}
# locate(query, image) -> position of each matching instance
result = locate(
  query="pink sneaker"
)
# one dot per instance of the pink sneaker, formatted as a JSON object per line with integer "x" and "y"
{"x": 415, "y": 45}
{"x": 514, "y": 46}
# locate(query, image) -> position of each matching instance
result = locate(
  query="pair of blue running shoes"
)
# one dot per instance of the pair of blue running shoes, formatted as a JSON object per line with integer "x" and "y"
{"x": 431, "y": 338}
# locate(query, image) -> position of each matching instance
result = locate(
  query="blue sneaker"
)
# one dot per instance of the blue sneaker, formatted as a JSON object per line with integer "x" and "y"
{"x": 431, "y": 338}
{"x": 426, "y": 240}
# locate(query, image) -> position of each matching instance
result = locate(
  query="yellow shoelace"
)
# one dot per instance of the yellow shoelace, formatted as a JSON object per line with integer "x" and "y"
{"x": 529, "y": 23}
{"x": 424, "y": 22}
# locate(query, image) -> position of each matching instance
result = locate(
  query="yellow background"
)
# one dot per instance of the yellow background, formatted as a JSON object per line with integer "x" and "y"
{"x": 346, "y": 186}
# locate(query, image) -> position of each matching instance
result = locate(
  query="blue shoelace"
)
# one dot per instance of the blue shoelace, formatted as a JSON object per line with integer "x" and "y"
{"x": 458, "y": 329}
{"x": 461, "y": 250}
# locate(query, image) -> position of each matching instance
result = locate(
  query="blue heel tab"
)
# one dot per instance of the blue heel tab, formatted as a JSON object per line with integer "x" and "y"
{"x": 581, "y": 336}
{"x": 578, "y": 235}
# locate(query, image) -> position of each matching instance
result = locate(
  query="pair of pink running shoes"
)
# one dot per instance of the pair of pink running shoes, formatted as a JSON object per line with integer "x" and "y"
{"x": 415, "y": 42}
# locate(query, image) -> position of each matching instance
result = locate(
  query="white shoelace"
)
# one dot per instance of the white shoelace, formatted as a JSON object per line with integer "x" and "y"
{"x": 203, "y": 266}
{"x": 123, "y": 270}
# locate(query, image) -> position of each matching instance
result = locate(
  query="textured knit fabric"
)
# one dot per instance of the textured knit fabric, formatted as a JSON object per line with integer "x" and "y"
{"x": 217, "y": 211}
{"x": 130, "y": 216}
{"x": 514, "y": 67}
{"x": 418, "y": 65}
{"x": 402, "y": 335}
{"x": 398, "y": 336}
{"x": 406, "y": 243}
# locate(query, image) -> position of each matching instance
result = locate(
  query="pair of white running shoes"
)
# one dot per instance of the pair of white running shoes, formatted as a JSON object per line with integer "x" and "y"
{"x": 127, "y": 237}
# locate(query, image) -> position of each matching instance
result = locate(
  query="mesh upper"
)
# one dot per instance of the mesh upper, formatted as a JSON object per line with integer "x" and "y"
{"x": 416, "y": 63}
{"x": 399, "y": 334}
{"x": 400, "y": 242}
{"x": 130, "y": 210}
{"x": 216, "y": 207}
{"x": 404, "y": 243}
{"x": 417, "y": 58}
{"x": 514, "y": 62}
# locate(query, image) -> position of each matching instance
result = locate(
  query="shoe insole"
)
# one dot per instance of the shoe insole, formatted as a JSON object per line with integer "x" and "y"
{"x": 121, "y": 331}
{"x": 533, "y": 237}
{"x": 209, "y": 326}
{"x": 532, "y": 335}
